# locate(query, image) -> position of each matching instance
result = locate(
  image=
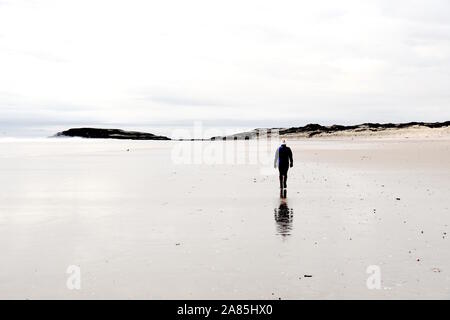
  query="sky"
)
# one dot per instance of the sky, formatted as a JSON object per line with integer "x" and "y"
{"x": 150, "y": 64}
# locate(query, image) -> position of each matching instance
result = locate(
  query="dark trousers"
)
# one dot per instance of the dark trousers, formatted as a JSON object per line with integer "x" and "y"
{"x": 283, "y": 176}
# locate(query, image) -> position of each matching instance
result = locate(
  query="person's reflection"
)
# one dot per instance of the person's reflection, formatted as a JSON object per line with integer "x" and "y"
{"x": 284, "y": 216}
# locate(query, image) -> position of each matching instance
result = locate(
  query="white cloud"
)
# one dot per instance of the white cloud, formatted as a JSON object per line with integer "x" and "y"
{"x": 280, "y": 61}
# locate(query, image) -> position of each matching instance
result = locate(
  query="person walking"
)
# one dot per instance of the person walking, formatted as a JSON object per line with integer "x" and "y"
{"x": 284, "y": 161}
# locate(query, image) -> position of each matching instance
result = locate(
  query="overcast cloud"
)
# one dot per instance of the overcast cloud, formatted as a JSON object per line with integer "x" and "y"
{"x": 259, "y": 63}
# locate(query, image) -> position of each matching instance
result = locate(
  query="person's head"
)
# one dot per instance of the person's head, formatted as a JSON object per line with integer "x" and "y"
{"x": 283, "y": 142}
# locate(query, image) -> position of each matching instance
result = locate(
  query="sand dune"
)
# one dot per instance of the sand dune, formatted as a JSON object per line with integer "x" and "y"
{"x": 371, "y": 130}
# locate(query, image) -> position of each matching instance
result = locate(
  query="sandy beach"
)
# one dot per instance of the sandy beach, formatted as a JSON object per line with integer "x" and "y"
{"x": 140, "y": 226}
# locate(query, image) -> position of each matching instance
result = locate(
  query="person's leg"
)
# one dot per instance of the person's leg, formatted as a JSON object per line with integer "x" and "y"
{"x": 283, "y": 172}
{"x": 285, "y": 178}
{"x": 281, "y": 179}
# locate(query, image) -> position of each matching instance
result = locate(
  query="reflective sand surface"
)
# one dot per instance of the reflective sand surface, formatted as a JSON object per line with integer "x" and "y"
{"x": 141, "y": 226}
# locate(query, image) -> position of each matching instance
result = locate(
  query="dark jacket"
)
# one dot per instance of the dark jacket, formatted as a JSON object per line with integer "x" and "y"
{"x": 283, "y": 157}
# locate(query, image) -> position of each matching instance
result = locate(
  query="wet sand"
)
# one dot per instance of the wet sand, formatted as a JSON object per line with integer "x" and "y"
{"x": 140, "y": 226}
